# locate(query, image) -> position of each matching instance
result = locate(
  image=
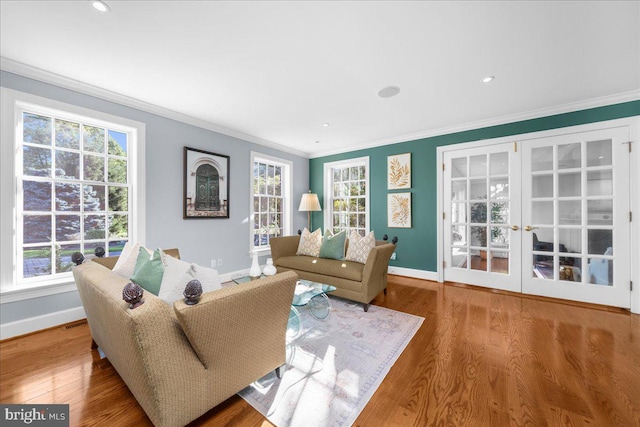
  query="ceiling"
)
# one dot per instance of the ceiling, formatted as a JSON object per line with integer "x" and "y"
{"x": 277, "y": 72}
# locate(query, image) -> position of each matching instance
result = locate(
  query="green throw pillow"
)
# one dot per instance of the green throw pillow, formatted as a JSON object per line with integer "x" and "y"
{"x": 149, "y": 272}
{"x": 333, "y": 245}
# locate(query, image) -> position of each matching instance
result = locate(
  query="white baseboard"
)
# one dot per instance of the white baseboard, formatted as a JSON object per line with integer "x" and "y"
{"x": 416, "y": 274}
{"x": 32, "y": 324}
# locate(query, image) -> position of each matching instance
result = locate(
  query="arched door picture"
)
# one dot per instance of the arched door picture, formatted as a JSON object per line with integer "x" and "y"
{"x": 206, "y": 184}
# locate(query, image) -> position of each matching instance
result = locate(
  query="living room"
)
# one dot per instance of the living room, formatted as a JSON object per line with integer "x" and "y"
{"x": 32, "y": 74}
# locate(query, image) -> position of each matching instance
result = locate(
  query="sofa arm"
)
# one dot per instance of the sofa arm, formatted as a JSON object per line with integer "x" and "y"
{"x": 377, "y": 262}
{"x": 243, "y": 325}
{"x": 283, "y": 246}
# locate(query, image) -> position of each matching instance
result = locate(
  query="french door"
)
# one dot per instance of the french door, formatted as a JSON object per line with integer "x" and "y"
{"x": 481, "y": 215}
{"x": 576, "y": 236}
{"x": 546, "y": 216}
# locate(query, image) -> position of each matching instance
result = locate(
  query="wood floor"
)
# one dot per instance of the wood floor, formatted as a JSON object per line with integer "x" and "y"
{"x": 481, "y": 358}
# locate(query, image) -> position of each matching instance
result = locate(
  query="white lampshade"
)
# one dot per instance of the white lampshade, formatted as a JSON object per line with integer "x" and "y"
{"x": 309, "y": 202}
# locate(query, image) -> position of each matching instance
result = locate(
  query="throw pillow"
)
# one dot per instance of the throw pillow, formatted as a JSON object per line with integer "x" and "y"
{"x": 148, "y": 274}
{"x": 310, "y": 243}
{"x": 333, "y": 245}
{"x": 174, "y": 278}
{"x": 126, "y": 263}
{"x": 359, "y": 247}
{"x": 208, "y": 277}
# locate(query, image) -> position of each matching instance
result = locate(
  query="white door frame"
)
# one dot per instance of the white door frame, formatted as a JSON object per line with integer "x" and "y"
{"x": 634, "y": 130}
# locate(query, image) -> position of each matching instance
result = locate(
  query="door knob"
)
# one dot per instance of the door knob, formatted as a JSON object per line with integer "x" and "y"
{"x": 515, "y": 228}
{"x": 529, "y": 228}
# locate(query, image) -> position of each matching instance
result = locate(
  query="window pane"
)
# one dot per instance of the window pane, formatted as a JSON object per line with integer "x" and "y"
{"x": 542, "y": 159}
{"x": 459, "y": 167}
{"x": 118, "y": 199}
{"x": 569, "y": 184}
{"x": 118, "y": 226}
{"x": 67, "y": 164}
{"x": 542, "y": 186}
{"x": 600, "y": 183}
{"x": 600, "y": 212}
{"x": 89, "y": 249}
{"x": 278, "y": 182}
{"x": 600, "y": 241}
{"x": 67, "y": 227}
{"x": 542, "y": 212}
{"x": 599, "y": 153}
{"x": 570, "y": 212}
{"x": 36, "y": 161}
{"x": 115, "y": 247}
{"x": 94, "y": 197}
{"x": 37, "y": 196}
{"x": 93, "y": 139}
{"x": 93, "y": 168}
{"x": 36, "y": 229}
{"x": 569, "y": 156}
{"x": 67, "y": 134}
{"x": 63, "y": 257}
{"x": 36, "y": 129}
{"x": 478, "y": 165}
{"x": 94, "y": 227}
{"x": 117, "y": 171}
{"x": 499, "y": 163}
{"x": 36, "y": 261}
{"x": 117, "y": 143}
{"x": 67, "y": 197}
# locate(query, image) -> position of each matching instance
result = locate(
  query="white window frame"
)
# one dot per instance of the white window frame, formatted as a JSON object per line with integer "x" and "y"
{"x": 287, "y": 193}
{"x": 13, "y": 103}
{"x": 328, "y": 188}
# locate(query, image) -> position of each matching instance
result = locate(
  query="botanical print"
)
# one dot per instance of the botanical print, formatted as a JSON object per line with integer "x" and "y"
{"x": 399, "y": 171}
{"x": 399, "y": 210}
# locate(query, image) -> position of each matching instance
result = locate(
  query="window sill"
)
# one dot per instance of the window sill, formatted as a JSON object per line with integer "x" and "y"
{"x": 38, "y": 290}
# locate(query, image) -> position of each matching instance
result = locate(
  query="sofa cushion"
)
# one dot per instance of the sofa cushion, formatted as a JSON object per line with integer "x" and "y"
{"x": 328, "y": 267}
{"x": 310, "y": 243}
{"x": 149, "y": 272}
{"x": 359, "y": 247}
{"x": 333, "y": 246}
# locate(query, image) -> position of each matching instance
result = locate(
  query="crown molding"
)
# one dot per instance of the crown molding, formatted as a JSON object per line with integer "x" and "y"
{"x": 511, "y": 118}
{"x": 39, "y": 74}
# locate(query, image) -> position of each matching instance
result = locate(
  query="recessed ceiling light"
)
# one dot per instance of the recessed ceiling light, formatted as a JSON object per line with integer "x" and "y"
{"x": 325, "y": 125}
{"x": 488, "y": 79}
{"x": 317, "y": 142}
{"x": 389, "y": 91}
{"x": 101, "y": 6}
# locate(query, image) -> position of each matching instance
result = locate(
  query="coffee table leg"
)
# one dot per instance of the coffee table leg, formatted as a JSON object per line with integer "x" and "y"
{"x": 320, "y": 306}
{"x": 294, "y": 326}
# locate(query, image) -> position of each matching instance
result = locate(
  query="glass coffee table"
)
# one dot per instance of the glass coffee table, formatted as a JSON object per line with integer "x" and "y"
{"x": 314, "y": 296}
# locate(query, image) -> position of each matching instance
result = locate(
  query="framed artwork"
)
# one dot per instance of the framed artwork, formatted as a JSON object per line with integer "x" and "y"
{"x": 399, "y": 210}
{"x": 206, "y": 184}
{"x": 399, "y": 171}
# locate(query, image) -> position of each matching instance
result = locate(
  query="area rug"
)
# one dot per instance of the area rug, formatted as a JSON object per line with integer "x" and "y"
{"x": 334, "y": 365}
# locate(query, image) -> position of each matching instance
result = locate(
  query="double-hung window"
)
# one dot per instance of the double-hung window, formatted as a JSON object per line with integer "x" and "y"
{"x": 271, "y": 200}
{"x": 73, "y": 190}
{"x": 346, "y": 192}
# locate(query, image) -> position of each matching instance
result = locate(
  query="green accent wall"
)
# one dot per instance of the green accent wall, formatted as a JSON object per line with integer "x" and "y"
{"x": 417, "y": 246}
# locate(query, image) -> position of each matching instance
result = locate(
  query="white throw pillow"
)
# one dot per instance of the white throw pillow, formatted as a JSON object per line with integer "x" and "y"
{"x": 359, "y": 247}
{"x": 208, "y": 277}
{"x": 126, "y": 263}
{"x": 310, "y": 243}
{"x": 174, "y": 279}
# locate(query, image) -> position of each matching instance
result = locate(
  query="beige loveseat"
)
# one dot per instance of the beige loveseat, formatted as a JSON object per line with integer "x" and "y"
{"x": 181, "y": 361}
{"x": 354, "y": 281}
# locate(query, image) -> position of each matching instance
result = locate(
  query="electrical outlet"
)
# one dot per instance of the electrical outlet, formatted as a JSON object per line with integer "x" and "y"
{"x": 213, "y": 263}
{"x": 219, "y": 262}
{"x": 393, "y": 255}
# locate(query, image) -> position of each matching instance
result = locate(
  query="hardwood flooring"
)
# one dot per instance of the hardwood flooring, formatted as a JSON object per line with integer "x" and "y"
{"x": 481, "y": 358}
